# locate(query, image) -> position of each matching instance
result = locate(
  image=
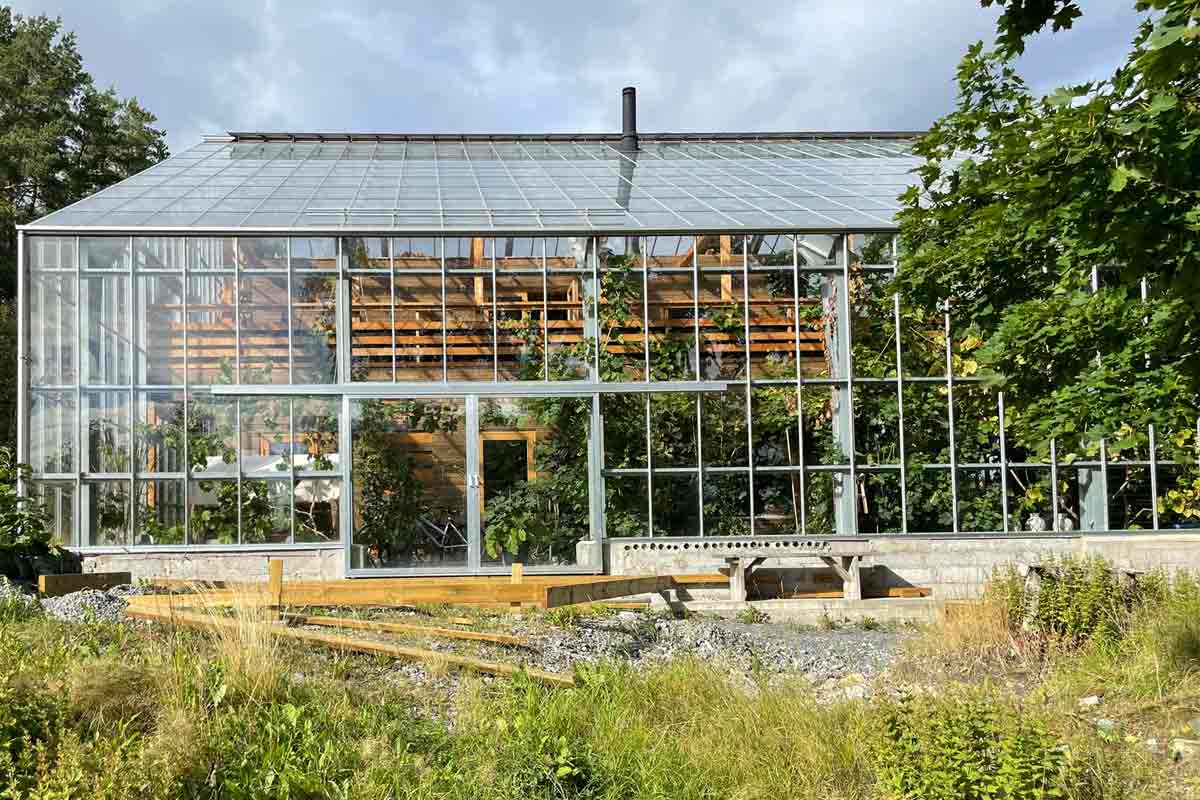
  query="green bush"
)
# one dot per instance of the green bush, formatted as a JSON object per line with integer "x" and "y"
{"x": 29, "y": 724}
{"x": 1080, "y": 599}
{"x": 968, "y": 746}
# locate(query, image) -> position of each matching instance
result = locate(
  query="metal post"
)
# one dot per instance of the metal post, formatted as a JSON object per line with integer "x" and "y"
{"x": 23, "y": 361}
{"x": 646, "y": 373}
{"x": 392, "y": 307}
{"x": 474, "y": 523}
{"x": 900, "y": 395}
{"x": 187, "y": 398}
{"x": 699, "y": 376}
{"x": 1003, "y": 462}
{"x": 849, "y": 504}
{"x": 545, "y": 317}
{"x": 132, "y": 417}
{"x": 749, "y": 383}
{"x": 237, "y": 328}
{"x": 78, "y": 439}
{"x": 237, "y": 427}
{"x": 291, "y": 457}
{"x": 346, "y": 463}
{"x": 495, "y": 326}
{"x": 1053, "y": 486}
{"x": 799, "y": 388}
{"x": 291, "y": 351}
{"x": 950, "y": 417}
{"x": 445, "y": 321}
{"x": 1153, "y": 476}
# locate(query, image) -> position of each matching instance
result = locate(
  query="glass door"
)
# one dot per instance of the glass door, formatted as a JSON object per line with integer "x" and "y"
{"x": 409, "y": 473}
{"x": 534, "y": 480}
{"x": 469, "y": 484}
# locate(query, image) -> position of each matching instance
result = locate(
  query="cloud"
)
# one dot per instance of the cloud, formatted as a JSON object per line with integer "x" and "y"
{"x": 550, "y": 66}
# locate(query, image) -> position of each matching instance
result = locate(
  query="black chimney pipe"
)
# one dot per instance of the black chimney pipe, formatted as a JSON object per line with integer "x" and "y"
{"x": 629, "y": 134}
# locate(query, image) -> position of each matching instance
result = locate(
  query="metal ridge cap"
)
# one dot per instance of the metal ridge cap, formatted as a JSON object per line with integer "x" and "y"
{"x": 316, "y": 136}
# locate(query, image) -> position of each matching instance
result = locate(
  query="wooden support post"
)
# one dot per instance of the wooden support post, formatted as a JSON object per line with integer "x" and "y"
{"x": 275, "y": 586}
{"x": 518, "y": 572}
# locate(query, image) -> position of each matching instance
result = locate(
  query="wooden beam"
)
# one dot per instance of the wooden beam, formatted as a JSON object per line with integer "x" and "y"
{"x": 606, "y": 590}
{"x": 57, "y": 585}
{"x": 356, "y": 645}
{"x": 401, "y": 627}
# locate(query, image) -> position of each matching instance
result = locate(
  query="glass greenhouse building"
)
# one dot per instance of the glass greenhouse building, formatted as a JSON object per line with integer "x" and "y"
{"x": 444, "y": 354}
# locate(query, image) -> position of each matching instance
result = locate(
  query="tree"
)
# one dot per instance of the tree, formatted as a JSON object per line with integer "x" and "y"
{"x": 1042, "y": 222}
{"x": 61, "y": 139}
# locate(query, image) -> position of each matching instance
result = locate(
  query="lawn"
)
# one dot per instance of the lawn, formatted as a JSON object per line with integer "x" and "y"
{"x": 985, "y": 704}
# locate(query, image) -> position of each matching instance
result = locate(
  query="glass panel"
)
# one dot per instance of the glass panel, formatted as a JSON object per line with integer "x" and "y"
{"x": 213, "y": 512}
{"x": 58, "y": 501}
{"x": 371, "y": 328}
{"x": 106, "y": 329}
{"x": 314, "y": 323}
{"x": 106, "y": 510}
{"x": 463, "y": 253}
{"x": 317, "y": 501}
{"x": 673, "y": 430}
{"x": 533, "y": 468}
{"x": 315, "y": 422}
{"x": 314, "y": 254}
{"x": 266, "y": 512}
{"x": 364, "y": 252}
{"x": 410, "y": 503}
{"x": 418, "y": 313}
{"x": 722, "y": 324}
{"x": 979, "y": 500}
{"x": 776, "y": 433}
{"x": 879, "y": 502}
{"x": 624, "y": 419}
{"x": 413, "y": 253}
{"x": 876, "y": 424}
{"x": 211, "y": 253}
{"x": 160, "y": 512}
{"x": 724, "y": 420}
{"x": 159, "y": 253}
{"x": 160, "y": 329}
{"x": 518, "y": 254}
{"x": 567, "y": 309}
{"x": 52, "y": 337}
{"x": 106, "y": 420}
{"x": 263, "y": 306}
{"x": 726, "y": 504}
{"x": 262, "y": 253}
{"x": 212, "y": 436}
{"x": 159, "y": 433}
{"x": 676, "y": 505}
{"x": 622, "y": 327}
{"x": 104, "y": 252}
{"x": 212, "y": 351}
{"x": 520, "y": 343}
{"x": 266, "y": 445}
{"x": 469, "y": 333}
{"x": 777, "y": 504}
{"x": 51, "y": 252}
{"x": 626, "y": 512}
{"x": 52, "y": 428}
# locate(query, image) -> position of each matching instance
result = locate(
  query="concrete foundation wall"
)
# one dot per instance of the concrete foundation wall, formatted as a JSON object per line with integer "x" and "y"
{"x": 955, "y": 568}
{"x": 323, "y": 565}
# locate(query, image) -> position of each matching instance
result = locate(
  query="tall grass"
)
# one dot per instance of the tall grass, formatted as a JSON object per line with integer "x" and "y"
{"x": 680, "y": 731}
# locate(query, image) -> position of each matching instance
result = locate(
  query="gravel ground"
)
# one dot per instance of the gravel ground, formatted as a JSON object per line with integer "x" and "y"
{"x": 740, "y": 647}
{"x": 91, "y": 604}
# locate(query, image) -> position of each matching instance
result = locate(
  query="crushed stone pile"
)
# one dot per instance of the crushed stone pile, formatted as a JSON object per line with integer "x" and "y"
{"x": 742, "y": 647}
{"x": 91, "y": 605}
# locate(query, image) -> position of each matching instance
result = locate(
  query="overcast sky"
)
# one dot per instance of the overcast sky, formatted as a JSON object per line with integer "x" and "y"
{"x": 553, "y": 65}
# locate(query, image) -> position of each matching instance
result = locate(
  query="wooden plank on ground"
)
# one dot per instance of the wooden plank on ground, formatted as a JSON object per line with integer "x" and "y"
{"x": 57, "y": 585}
{"x": 401, "y": 627}
{"x": 606, "y": 590}
{"x": 717, "y": 578}
{"x": 356, "y": 645}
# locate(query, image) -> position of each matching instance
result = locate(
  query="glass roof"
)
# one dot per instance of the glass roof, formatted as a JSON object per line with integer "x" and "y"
{"x": 347, "y": 183}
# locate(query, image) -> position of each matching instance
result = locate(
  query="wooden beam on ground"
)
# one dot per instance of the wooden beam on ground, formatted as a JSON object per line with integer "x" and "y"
{"x": 600, "y": 590}
{"x": 700, "y": 579}
{"x": 401, "y": 627}
{"x": 57, "y": 585}
{"x": 356, "y": 645}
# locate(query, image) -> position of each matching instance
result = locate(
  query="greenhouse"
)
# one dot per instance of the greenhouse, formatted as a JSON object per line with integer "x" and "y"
{"x": 449, "y": 353}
